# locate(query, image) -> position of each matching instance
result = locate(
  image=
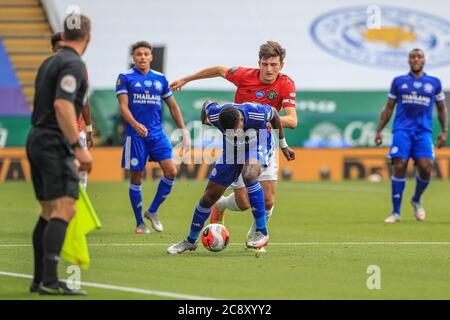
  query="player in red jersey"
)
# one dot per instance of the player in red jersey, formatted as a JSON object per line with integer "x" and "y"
{"x": 266, "y": 85}
{"x": 86, "y": 139}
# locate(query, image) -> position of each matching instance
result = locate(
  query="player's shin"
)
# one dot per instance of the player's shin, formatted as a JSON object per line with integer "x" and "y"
{"x": 136, "y": 202}
{"x": 256, "y": 198}
{"x": 398, "y": 185}
{"x": 164, "y": 188}
{"x": 201, "y": 214}
{"x": 421, "y": 185}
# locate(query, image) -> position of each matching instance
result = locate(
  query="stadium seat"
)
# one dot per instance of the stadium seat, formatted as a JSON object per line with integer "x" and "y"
{"x": 26, "y": 33}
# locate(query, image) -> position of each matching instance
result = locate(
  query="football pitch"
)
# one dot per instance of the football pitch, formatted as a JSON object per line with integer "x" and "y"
{"x": 325, "y": 238}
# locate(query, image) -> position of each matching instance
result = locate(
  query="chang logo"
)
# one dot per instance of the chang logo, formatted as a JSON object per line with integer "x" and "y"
{"x": 344, "y": 34}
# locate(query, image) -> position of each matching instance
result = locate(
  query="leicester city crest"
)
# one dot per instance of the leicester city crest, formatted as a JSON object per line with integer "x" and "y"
{"x": 346, "y": 34}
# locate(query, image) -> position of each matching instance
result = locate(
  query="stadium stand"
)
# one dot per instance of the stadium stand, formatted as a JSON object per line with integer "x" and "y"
{"x": 25, "y": 32}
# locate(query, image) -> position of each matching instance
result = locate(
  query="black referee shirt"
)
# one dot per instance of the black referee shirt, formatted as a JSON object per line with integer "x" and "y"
{"x": 61, "y": 76}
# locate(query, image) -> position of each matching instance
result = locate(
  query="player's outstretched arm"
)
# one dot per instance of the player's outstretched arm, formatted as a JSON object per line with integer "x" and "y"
{"x": 178, "y": 118}
{"x": 276, "y": 124}
{"x": 443, "y": 120}
{"x": 212, "y": 72}
{"x": 386, "y": 115}
{"x": 126, "y": 114}
{"x": 289, "y": 120}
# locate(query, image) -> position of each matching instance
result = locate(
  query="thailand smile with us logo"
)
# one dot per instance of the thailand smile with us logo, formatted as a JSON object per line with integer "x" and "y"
{"x": 344, "y": 34}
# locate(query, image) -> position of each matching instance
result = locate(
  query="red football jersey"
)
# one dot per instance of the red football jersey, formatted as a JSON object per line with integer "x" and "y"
{"x": 280, "y": 94}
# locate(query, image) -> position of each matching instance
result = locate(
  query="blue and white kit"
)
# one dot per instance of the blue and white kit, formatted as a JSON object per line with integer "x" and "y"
{"x": 412, "y": 129}
{"x": 145, "y": 94}
{"x": 259, "y": 146}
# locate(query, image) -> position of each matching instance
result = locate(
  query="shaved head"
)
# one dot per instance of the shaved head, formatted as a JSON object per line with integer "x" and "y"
{"x": 415, "y": 51}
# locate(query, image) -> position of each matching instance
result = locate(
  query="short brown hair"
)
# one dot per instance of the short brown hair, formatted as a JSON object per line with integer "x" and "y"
{"x": 76, "y": 27}
{"x": 56, "y": 37}
{"x": 140, "y": 44}
{"x": 271, "y": 49}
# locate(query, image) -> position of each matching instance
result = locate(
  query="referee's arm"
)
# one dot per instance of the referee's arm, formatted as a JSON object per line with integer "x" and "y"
{"x": 67, "y": 120}
{"x": 67, "y": 88}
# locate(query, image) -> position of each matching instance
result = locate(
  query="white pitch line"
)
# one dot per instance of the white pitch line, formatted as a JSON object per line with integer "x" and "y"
{"x": 360, "y": 243}
{"x": 119, "y": 288}
{"x": 330, "y": 187}
{"x": 270, "y": 243}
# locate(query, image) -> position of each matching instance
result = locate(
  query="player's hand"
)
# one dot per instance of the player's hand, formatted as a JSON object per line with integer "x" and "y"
{"x": 89, "y": 140}
{"x": 378, "y": 139}
{"x": 177, "y": 85}
{"x": 289, "y": 154}
{"x": 442, "y": 139}
{"x": 76, "y": 163}
{"x": 141, "y": 130}
{"x": 85, "y": 159}
{"x": 186, "y": 141}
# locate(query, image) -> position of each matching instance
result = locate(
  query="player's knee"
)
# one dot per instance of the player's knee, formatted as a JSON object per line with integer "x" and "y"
{"x": 136, "y": 177}
{"x": 269, "y": 203}
{"x": 171, "y": 173}
{"x": 399, "y": 169}
{"x": 249, "y": 177}
{"x": 425, "y": 171}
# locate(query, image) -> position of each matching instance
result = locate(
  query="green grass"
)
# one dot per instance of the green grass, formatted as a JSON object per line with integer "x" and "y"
{"x": 328, "y": 216}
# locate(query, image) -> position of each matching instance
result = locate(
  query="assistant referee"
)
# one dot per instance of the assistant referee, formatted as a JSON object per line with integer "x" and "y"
{"x": 55, "y": 153}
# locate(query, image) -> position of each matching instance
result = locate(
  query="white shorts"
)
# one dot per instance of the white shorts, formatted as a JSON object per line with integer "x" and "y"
{"x": 83, "y": 174}
{"x": 83, "y": 140}
{"x": 267, "y": 173}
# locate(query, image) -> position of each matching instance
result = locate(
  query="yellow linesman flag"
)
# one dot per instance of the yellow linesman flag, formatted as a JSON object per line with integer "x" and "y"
{"x": 75, "y": 248}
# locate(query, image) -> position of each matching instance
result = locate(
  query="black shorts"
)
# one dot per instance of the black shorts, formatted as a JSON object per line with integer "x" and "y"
{"x": 53, "y": 172}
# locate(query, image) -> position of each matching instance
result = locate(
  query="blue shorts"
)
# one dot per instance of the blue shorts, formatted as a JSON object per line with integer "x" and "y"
{"x": 137, "y": 151}
{"x": 409, "y": 144}
{"x": 225, "y": 174}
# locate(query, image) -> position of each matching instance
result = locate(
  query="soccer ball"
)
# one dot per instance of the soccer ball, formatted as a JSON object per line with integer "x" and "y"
{"x": 215, "y": 237}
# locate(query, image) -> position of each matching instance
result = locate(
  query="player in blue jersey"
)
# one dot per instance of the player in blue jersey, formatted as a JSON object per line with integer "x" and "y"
{"x": 415, "y": 95}
{"x": 247, "y": 145}
{"x": 140, "y": 92}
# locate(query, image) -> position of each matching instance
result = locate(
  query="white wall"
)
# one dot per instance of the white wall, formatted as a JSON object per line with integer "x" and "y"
{"x": 201, "y": 33}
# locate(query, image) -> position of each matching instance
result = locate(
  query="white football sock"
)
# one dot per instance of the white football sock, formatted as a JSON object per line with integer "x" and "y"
{"x": 252, "y": 230}
{"x": 228, "y": 202}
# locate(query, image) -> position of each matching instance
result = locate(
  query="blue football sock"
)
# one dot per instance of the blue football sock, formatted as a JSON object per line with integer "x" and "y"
{"x": 398, "y": 185}
{"x": 164, "y": 188}
{"x": 421, "y": 185}
{"x": 201, "y": 214}
{"x": 136, "y": 202}
{"x": 256, "y": 197}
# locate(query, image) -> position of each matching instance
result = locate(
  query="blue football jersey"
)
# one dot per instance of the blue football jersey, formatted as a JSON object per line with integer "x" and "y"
{"x": 256, "y": 117}
{"x": 145, "y": 95}
{"x": 415, "y": 98}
